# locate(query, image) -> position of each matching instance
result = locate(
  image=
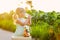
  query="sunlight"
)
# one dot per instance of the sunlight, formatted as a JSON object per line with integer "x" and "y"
{"x": 7, "y": 5}
{"x": 45, "y": 5}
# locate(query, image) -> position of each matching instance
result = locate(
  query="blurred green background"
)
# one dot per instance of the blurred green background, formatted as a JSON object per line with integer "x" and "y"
{"x": 6, "y": 21}
{"x": 45, "y": 25}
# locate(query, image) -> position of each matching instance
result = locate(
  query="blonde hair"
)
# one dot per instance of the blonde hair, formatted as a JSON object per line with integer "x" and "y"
{"x": 19, "y": 10}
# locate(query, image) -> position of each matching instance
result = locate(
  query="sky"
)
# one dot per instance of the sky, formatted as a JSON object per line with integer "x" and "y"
{"x": 45, "y": 5}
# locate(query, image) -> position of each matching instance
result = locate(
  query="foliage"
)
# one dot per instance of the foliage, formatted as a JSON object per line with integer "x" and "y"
{"x": 6, "y": 21}
{"x": 42, "y": 22}
{"x": 40, "y": 31}
{"x": 41, "y": 17}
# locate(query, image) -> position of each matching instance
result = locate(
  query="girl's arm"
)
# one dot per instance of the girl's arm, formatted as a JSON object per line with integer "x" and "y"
{"x": 28, "y": 20}
{"x": 17, "y": 21}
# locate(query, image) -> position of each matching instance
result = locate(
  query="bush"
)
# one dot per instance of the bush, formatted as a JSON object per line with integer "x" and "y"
{"x": 40, "y": 20}
{"x": 40, "y": 31}
{"x": 7, "y": 25}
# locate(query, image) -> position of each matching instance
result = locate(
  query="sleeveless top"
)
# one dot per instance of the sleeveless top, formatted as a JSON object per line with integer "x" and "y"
{"x": 20, "y": 29}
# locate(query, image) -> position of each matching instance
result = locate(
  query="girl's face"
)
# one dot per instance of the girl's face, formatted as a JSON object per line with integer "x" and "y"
{"x": 20, "y": 12}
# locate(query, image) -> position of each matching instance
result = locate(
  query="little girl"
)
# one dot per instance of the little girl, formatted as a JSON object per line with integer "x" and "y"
{"x": 21, "y": 22}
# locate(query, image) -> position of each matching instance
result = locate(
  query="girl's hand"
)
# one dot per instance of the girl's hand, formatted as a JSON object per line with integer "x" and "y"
{"x": 29, "y": 16}
{"x": 26, "y": 22}
{"x": 29, "y": 19}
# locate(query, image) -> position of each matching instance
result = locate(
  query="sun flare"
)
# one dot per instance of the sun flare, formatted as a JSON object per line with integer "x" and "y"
{"x": 45, "y": 5}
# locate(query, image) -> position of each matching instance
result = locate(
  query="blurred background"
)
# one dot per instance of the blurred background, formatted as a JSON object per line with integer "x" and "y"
{"x": 45, "y": 17}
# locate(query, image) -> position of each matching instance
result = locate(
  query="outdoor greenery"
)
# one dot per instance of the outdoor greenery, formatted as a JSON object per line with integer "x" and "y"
{"x": 6, "y": 21}
{"x": 44, "y": 25}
